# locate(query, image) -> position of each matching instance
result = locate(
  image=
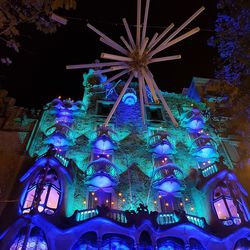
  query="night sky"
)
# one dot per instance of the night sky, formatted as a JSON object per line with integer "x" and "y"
{"x": 38, "y": 72}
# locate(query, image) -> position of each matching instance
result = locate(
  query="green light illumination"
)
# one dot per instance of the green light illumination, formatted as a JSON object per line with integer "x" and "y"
{"x": 132, "y": 156}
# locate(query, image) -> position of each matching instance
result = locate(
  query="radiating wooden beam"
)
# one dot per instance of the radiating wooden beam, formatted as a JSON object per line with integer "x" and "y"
{"x": 164, "y": 103}
{"x": 106, "y": 37}
{"x": 130, "y": 37}
{"x": 145, "y": 96}
{"x": 116, "y": 76}
{"x": 166, "y": 58}
{"x": 112, "y": 45}
{"x": 113, "y": 69}
{"x": 177, "y": 31}
{"x": 141, "y": 100}
{"x": 93, "y": 65}
{"x": 118, "y": 99}
{"x": 161, "y": 35}
{"x": 150, "y": 85}
{"x": 153, "y": 39}
{"x": 59, "y": 19}
{"x": 126, "y": 44}
{"x": 189, "y": 20}
{"x": 182, "y": 37}
{"x": 138, "y": 24}
{"x": 143, "y": 46}
{"x": 176, "y": 40}
{"x": 145, "y": 21}
{"x": 116, "y": 57}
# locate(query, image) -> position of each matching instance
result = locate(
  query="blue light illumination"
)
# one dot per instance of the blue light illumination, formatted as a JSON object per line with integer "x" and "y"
{"x": 129, "y": 99}
{"x": 101, "y": 181}
{"x": 206, "y": 152}
{"x": 195, "y": 124}
{"x": 169, "y": 186}
{"x": 58, "y": 140}
{"x": 162, "y": 148}
{"x": 103, "y": 143}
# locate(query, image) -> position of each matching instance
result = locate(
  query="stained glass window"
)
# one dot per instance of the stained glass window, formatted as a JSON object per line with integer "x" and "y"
{"x": 43, "y": 193}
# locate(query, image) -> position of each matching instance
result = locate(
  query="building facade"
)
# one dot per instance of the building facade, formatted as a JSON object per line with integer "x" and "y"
{"x": 128, "y": 185}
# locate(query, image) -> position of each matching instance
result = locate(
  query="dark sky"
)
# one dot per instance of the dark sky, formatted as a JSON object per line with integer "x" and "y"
{"x": 38, "y": 72}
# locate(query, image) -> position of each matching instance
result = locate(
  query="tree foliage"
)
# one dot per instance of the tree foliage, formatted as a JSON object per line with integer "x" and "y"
{"x": 13, "y": 13}
{"x": 232, "y": 40}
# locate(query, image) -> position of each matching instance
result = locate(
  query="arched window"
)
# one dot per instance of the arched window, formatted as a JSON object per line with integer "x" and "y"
{"x": 170, "y": 243}
{"x": 87, "y": 242}
{"x": 43, "y": 192}
{"x": 117, "y": 242}
{"x": 225, "y": 206}
{"x": 36, "y": 240}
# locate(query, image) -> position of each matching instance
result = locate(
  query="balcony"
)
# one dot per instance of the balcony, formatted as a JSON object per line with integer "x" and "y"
{"x": 102, "y": 173}
{"x": 103, "y": 144}
{"x": 162, "y": 147}
{"x": 204, "y": 148}
{"x": 86, "y": 214}
{"x": 120, "y": 216}
{"x": 167, "y": 178}
{"x": 209, "y": 170}
{"x": 192, "y": 120}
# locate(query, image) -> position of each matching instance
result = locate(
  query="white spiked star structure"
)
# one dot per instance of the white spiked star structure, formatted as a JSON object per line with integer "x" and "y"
{"x": 136, "y": 55}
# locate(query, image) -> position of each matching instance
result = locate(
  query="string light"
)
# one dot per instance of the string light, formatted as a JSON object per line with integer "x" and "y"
{"x": 123, "y": 199}
{"x": 155, "y": 202}
{"x": 93, "y": 193}
{"x": 120, "y": 194}
{"x": 159, "y": 196}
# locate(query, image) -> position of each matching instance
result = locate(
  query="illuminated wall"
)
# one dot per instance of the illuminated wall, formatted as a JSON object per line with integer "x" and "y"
{"x": 128, "y": 185}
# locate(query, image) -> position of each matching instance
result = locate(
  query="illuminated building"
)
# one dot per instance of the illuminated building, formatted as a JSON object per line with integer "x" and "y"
{"x": 127, "y": 185}
{"x": 119, "y": 170}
